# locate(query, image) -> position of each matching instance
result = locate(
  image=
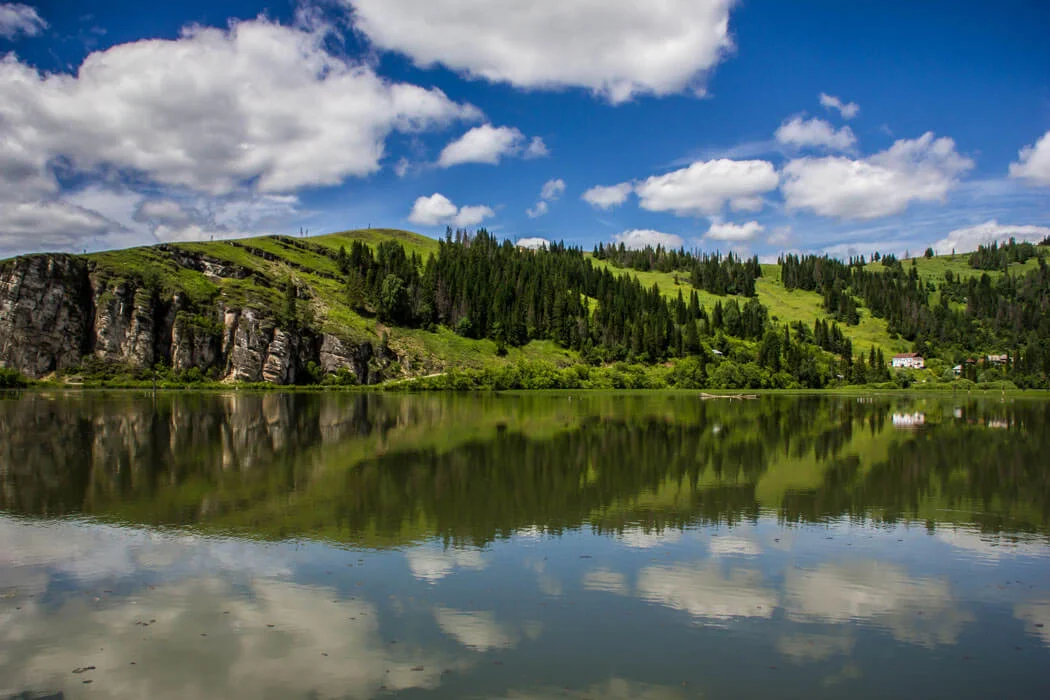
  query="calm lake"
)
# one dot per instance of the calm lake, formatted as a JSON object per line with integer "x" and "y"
{"x": 523, "y": 546}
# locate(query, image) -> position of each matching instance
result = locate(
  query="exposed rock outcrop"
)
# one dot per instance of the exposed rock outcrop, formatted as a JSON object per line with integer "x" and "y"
{"x": 56, "y": 310}
{"x": 45, "y": 313}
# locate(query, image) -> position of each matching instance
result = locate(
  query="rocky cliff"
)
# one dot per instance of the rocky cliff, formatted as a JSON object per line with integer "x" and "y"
{"x": 58, "y": 312}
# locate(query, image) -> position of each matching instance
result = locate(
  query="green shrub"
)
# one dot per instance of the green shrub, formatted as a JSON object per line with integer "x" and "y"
{"x": 12, "y": 379}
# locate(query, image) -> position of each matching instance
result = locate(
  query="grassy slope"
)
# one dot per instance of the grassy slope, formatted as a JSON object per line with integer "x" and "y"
{"x": 300, "y": 260}
{"x": 788, "y": 306}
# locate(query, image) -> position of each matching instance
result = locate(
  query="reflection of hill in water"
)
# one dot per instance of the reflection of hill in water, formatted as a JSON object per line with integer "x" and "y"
{"x": 374, "y": 469}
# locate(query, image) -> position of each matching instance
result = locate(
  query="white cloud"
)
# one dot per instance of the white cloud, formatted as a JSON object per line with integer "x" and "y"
{"x": 966, "y": 239}
{"x": 637, "y": 537}
{"x": 475, "y": 630}
{"x": 707, "y": 592}
{"x": 53, "y": 225}
{"x": 636, "y": 239}
{"x": 432, "y": 564}
{"x": 733, "y": 545}
{"x": 804, "y": 133}
{"x": 473, "y": 215}
{"x": 706, "y": 187}
{"x": 215, "y": 112}
{"x": 536, "y": 149}
{"x": 1033, "y": 162}
{"x": 915, "y": 170}
{"x": 552, "y": 189}
{"x": 734, "y": 232}
{"x": 878, "y": 593}
{"x": 163, "y": 211}
{"x": 606, "y": 197}
{"x": 16, "y": 18}
{"x": 848, "y": 110}
{"x": 437, "y": 210}
{"x": 606, "y": 581}
{"x": 485, "y": 144}
{"x": 616, "y": 48}
{"x": 216, "y": 109}
{"x": 533, "y": 243}
{"x": 540, "y": 209}
{"x": 433, "y": 210}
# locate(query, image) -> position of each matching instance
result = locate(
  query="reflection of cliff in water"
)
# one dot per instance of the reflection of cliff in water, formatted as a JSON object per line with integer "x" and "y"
{"x": 376, "y": 469}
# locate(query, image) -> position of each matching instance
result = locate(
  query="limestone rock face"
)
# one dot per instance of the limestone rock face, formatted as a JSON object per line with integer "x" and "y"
{"x": 45, "y": 313}
{"x": 245, "y": 345}
{"x": 281, "y": 356}
{"x": 336, "y": 353}
{"x": 124, "y": 325}
{"x": 57, "y": 310}
{"x": 193, "y": 344}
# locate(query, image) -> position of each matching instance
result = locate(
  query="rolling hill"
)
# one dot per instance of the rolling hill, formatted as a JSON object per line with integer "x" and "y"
{"x": 275, "y": 309}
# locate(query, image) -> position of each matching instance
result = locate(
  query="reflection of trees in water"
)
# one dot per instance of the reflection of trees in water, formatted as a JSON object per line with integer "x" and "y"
{"x": 478, "y": 468}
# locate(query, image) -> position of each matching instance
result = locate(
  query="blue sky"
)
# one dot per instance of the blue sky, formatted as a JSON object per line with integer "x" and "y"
{"x": 757, "y": 126}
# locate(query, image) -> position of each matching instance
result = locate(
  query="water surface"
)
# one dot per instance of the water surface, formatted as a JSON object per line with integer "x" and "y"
{"x": 528, "y": 546}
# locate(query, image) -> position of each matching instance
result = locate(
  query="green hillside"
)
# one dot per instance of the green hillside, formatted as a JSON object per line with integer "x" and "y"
{"x": 271, "y": 261}
{"x": 501, "y": 308}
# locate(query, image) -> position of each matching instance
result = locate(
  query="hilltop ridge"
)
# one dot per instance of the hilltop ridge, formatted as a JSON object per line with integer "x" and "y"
{"x": 277, "y": 309}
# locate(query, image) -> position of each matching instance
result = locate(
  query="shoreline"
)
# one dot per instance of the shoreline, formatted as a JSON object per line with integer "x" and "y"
{"x": 699, "y": 394}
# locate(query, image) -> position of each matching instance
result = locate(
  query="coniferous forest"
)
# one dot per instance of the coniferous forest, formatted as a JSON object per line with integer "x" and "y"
{"x": 481, "y": 287}
{"x": 472, "y": 310}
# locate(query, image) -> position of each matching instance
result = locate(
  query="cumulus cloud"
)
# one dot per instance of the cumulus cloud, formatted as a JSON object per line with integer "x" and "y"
{"x": 432, "y": 564}
{"x": 437, "y": 209}
{"x": 878, "y": 593}
{"x": 606, "y": 197}
{"x": 538, "y": 210}
{"x": 732, "y": 545}
{"x": 911, "y": 170}
{"x": 489, "y": 144}
{"x": 815, "y": 133}
{"x": 478, "y": 631}
{"x": 164, "y": 211}
{"x": 706, "y": 187}
{"x": 616, "y": 48}
{"x": 16, "y": 18}
{"x": 734, "y": 232}
{"x": 551, "y": 191}
{"x": 536, "y": 149}
{"x": 1033, "y": 162}
{"x": 637, "y": 537}
{"x": 707, "y": 592}
{"x": 848, "y": 110}
{"x": 636, "y": 239}
{"x": 606, "y": 581}
{"x": 966, "y": 239}
{"x": 215, "y": 112}
{"x": 218, "y": 108}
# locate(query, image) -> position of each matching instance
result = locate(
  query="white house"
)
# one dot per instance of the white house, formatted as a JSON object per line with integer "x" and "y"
{"x": 908, "y": 360}
{"x": 908, "y": 420}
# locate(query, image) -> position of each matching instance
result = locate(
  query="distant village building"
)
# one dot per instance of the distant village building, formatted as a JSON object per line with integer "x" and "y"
{"x": 998, "y": 359}
{"x": 957, "y": 370}
{"x": 908, "y": 360}
{"x": 906, "y": 421}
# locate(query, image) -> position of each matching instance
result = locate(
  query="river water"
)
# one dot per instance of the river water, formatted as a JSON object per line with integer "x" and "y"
{"x": 523, "y": 546}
